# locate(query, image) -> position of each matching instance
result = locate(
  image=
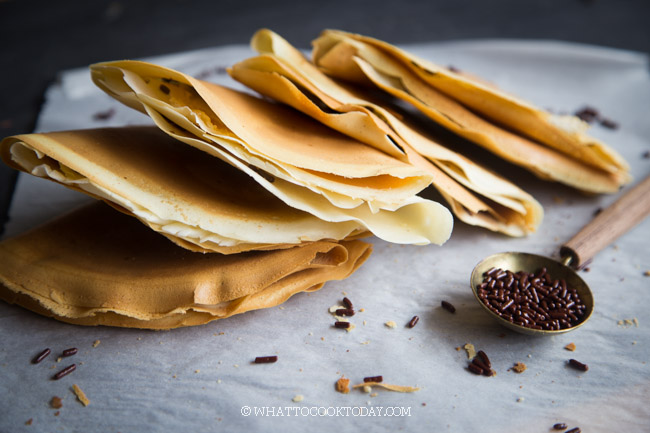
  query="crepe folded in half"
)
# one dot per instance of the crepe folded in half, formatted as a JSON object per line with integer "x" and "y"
{"x": 96, "y": 266}
{"x": 307, "y": 165}
{"x": 553, "y": 147}
{"x": 476, "y": 195}
{"x": 197, "y": 201}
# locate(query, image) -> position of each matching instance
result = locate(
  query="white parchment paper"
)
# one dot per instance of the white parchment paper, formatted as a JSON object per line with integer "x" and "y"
{"x": 202, "y": 379}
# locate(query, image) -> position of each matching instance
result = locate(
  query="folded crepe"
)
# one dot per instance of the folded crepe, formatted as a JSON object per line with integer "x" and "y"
{"x": 305, "y": 164}
{"x": 197, "y": 201}
{"x": 476, "y": 195}
{"x": 96, "y": 266}
{"x": 551, "y": 146}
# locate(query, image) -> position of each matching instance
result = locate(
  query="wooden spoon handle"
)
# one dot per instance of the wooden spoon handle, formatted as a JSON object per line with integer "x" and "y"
{"x": 609, "y": 224}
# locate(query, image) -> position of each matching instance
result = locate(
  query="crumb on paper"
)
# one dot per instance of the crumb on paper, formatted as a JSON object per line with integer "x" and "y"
{"x": 367, "y": 387}
{"x": 520, "y": 399}
{"x": 56, "y": 402}
{"x": 236, "y": 365}
{"x": 57, "y": 413}
{"x": 519, "y": 367}
{"x": 391, "y": 324}
{"x": 558, "y": 200}
{"x": 570, "y": 347}
{"x": 458, "y": 348}
{"x": 365, "y": 342}
{"x": 59, "y": 359}
{"x": 96, "y": 343}
{"x": 322, "y": 338}
{"x": 344, "y": 293}
{"x": 471, "y": 351}
{"x": 80, "y": 395}
{"x": 361, "y": 310}
{"x": 626, "y": 323}
{"x": 352, "y": 326}
{"x": 374, "y": 394}
{"x": 646, "y": 274}
{"x": 364, "y": 323}
{"x": 342, "y": 385}
{"x": 298, "y": 398}
{"x": 29, "y": 421}
{"x": 197, "y": 371}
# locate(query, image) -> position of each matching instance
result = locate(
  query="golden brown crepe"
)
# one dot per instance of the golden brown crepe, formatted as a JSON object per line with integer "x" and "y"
{"x": 96, "y": 266}
{"x": 197, "y": 201}
{"x": 551, "y": 146}
{"x": 476, "y": 195}
{"x": 308, "y": 166}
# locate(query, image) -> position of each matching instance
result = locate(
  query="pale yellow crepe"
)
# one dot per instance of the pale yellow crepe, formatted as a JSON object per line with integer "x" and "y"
{"x": 96, "y": 266}
{"x": 476, "y": 195}
{"x": 553, "y": 147}
{"x": 197, "y": 201}
{"x": 307, "y": 165}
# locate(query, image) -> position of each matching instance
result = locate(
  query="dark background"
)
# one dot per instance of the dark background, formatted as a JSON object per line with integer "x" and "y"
{"x": 39, "y": 38}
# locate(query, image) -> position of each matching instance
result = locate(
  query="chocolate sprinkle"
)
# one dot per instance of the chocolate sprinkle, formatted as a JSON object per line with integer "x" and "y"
{"x": 414, "y": 321}
{"x": 69, "y": 369}
{"x": 447, "y": 306}
{"x": 373, "y": 379}
{"x": 266, "y": 359}
{"x": 41, "y": 356}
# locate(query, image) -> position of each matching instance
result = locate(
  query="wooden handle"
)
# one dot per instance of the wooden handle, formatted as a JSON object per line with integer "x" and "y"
{"x": 609, "y": 224}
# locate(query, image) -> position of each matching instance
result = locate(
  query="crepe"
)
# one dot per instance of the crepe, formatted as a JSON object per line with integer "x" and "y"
{"x": 551, "y": 146}
{"x": 476, "y": 195}
{"x": 197, "y": 201}
{"x": 96, "y": 266}
{"x": 308, "y": 166}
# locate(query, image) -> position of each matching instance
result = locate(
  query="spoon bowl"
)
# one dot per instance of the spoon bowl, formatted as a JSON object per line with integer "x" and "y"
{"x": 515, "y": 262}
{"x": 608, "y": 225}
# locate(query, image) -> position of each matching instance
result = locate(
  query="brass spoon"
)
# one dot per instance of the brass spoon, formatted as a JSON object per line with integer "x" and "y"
{"x": 608, "y": 225}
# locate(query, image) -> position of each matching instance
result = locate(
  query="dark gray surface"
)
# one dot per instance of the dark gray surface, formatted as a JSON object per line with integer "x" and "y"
{"x": 39, "y": 38}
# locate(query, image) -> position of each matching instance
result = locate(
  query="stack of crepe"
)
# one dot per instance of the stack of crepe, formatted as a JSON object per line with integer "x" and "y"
{"x": 99, "y": 266}
{"x": 275, "y": 200}
{"x": 477, "y": 196}
{"x": 551, "y": 146}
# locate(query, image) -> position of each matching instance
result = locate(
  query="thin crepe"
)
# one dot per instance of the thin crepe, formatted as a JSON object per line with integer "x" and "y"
{"x": 96, "y": 266}
{"x": 308, "y": 166}
{"x": 197, "y": 201}
{"x": 476, "y": 195}
{"x": 551, "y": 146}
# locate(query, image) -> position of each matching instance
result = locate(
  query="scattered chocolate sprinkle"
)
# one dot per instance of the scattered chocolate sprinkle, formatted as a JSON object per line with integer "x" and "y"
{"x": 69, "y": 369}
{"x": 414, "y": 321}
{"x": 578, "y": 365}
{"x": 608, "y": 123}
{"x": 265, "y": 359}
{"x": 373, "y": 379}
{"x": 164, "y": 89}
{"x": 345, "y": 312}
{"x": 475, "y": 369}
{"x": 588, "y": 114}
{"x": 574, "y": 430}
{"x": 41, "y": 356}
{"x": 484, "y": 358}
{"x": 348, "y": 303}
{"x": 646, "y": 154}
{"x": 69, "y": 352}
{"x": 342, "y": 325}
{"x": 56, "y": 402}
{"x": 104, "y": 115}
{"x": 447, "y": 306}
{"x": 559, "y": 426}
